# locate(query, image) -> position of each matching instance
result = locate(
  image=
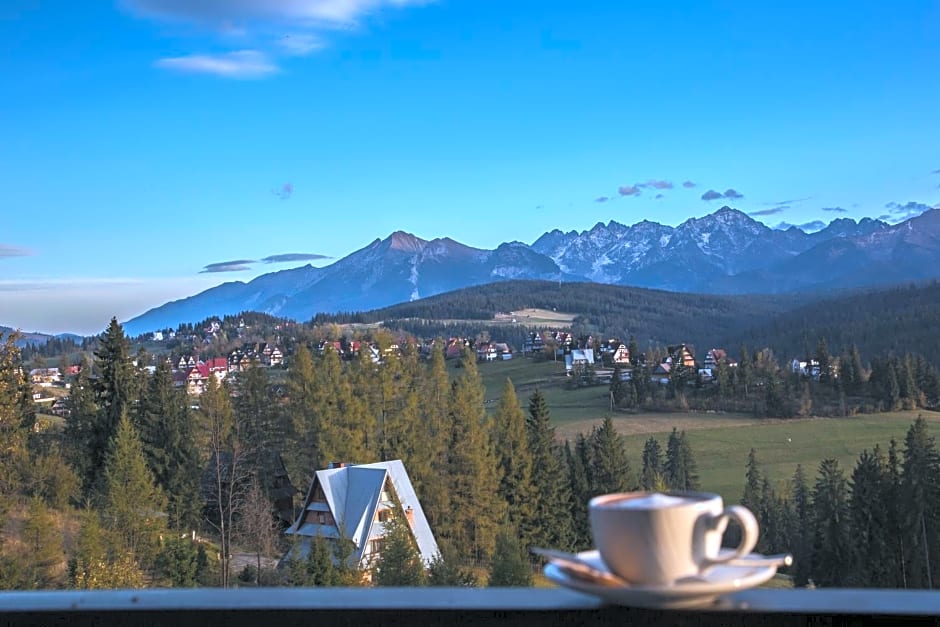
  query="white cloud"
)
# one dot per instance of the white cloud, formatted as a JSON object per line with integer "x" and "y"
{"x": 321, "y": 13}
{"x": 273, "y": 28}
{"x": 300, "y": 44}
{"x": 243, "y": 64}
{"x": 14, "y": 251}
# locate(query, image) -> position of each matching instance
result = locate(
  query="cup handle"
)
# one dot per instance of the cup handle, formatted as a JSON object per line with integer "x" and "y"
{"x": 749, "y": 533}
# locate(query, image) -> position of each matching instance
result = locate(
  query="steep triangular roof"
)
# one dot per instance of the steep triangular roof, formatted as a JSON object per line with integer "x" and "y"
{"x": 353, "y": 494}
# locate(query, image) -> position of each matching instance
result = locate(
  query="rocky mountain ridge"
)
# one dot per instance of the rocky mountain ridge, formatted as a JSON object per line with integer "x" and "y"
{"x": 726, "y": 252}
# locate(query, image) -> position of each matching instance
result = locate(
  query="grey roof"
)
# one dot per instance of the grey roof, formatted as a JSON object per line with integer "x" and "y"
{"x": 353, "y": 494}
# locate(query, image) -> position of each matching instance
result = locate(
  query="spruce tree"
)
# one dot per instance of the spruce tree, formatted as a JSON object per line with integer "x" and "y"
{"x": 652, "y": 473}
{"x": 16, "y": 419}
{"x": 868, "y": 522}
{"x": 752, "y": 483}
{"x": 473, "y": 472}
{"x": 611, "y": 467}
{"x": 168, "y": 434}
{"x": 893, "y": 498}
{"x": 434, "y": 416}
{"x": 114, "y": 390}
{"x": 302, "y": 457}
{"x": 552, "y": 487}
{"x": 510, "y": 566}
{"x": 134, "y": 507}
{"x": 680, "y": 468}
{"x": 516, "y": 485}
{"x": 78, "y": 437}
{"x": 801, "y": 542}
{"x": 399, "y": 563}
{"x": 920, "y": 494}
{"x": 580, "y": 495}
{"x": 832, "y": 551}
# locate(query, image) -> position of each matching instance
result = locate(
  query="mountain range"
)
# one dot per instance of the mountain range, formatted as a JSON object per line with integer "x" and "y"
{"x": 726, "y": 252}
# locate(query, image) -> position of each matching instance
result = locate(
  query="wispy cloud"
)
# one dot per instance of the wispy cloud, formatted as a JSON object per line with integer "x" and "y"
{"x": 228, "y": 266}
{"x": 766, "y": 212}
{"x": 688, "y": 184}
{"x": 899, "y": 213}
{"x": 711, "y": 195}
{"x": 602, "y": 199}
{"x": 936, "y": 171}
{"x": 808, "y": 227}
{"x": 14, "y": 251}
{"x": 309, "y": 13}
{"x": 286, "y": 191}
{"x": 629, "y": 190}
{"x": 835, "y": 209}
{"x": 659, "y": 184}
{"x": 241, "y": 64}
{"x": 659, "y": 196}
{"x": 733, "y": 194}
{"x": 788, "y": 201}
{"x": 300, "y": 44}
{"x": 272, "y": 29}
{"x": 289, "y": 257}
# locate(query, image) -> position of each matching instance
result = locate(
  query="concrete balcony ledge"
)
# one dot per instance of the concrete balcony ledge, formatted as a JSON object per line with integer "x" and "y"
{"x": 543, "y": 607}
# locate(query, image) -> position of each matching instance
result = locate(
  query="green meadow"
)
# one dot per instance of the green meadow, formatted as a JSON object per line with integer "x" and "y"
{"x": 721, "y": 442}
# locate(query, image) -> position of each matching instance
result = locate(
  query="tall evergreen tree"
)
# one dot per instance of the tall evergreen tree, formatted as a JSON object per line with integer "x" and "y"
{"x": 515, "y": 461}
{"x": 921, "y": 503}
{"x": 435, "y": 392}
{"x": 801, "y": 541}
{"x": 893, "y": 498}
{"x": 510, "y": 567}
{"x": 302, "y": 457}
{"x": 114, "y": 390}
{"x": 610, "y": 468}
{"x": 868, "y": 522}
{"x": 752, "y": 483}
{"x": 832, "y": 551}
{"x": 79, "y": 434}
{"x": 134, "y": 507}
{"x": 473, "y": 472}
{"x": 552, "y": 487}
{"x": 652, "y": 475}
{"x": 580, "y": 494}
{"x": 16, "y": 419}
{"x": 745, "y": 369}
{"x": 168, "y": 434}
{"x": 399, "y": 563}
{"x": 680, "y": 468}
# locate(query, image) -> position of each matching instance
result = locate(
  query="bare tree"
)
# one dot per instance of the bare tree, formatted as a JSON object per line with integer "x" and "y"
{"x": 228, "y": 471}
{"x": 257, "y": 529}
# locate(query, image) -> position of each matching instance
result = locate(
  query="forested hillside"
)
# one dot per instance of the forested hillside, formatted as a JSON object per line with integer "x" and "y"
{"x": 878, "y": 322}
{"x": 652, "y": 316}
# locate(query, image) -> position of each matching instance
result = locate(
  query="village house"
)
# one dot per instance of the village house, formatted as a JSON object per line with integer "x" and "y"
{"x": 348, "y": 501}
{"x": 578, "y": 358}
{"x": 45, "y": 377}
{"x": 712, "y": 358}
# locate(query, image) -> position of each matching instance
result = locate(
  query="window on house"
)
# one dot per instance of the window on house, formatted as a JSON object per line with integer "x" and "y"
{"x": 384, "y": 515}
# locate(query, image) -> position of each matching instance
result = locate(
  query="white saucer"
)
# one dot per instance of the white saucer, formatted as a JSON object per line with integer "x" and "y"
{"x": 691, "y": 592}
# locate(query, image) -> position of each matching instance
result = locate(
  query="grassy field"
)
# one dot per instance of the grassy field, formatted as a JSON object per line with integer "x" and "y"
{"x": 721, "y": 442}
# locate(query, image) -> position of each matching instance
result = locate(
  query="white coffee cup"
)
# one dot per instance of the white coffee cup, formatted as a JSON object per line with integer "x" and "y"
{"x": 650, "y": 538}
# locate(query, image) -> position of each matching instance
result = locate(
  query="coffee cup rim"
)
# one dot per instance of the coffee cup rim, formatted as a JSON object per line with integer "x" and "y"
{"x": 604, "y": 500}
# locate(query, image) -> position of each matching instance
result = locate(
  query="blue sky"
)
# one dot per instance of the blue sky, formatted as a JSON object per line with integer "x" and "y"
{"x": 142, "y": 141}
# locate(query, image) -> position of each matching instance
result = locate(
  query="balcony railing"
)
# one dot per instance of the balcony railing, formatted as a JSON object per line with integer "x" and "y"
{"x": 541, "y": 607}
